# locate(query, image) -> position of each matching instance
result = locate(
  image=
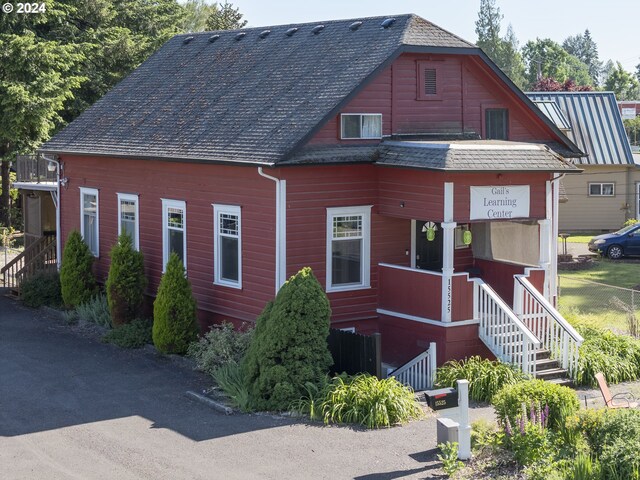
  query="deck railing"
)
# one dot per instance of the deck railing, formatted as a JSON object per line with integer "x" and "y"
{"x": 501, "y": 330}
{"x": 37, "y": 257}
{"x": 419, "y": 372}
{"x": 34, "y": 169}
{"x": 547, "y": 324}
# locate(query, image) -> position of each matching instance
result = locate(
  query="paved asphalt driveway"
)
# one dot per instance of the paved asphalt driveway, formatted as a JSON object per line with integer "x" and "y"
{"x": 72, "y": 407}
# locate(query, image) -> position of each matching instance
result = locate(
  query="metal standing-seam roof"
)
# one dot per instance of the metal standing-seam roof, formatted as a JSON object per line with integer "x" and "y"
{"x": 595, "y": 125}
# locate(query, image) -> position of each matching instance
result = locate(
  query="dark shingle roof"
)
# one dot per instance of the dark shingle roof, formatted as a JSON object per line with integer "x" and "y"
{"x": 469, "y": 155}
{"x": 242, "y": 100}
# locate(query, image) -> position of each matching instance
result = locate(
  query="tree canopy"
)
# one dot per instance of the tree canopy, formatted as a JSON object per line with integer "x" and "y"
{"x": 623, "y": 83}
{"x": 584, "y": 48}
{"x": 546, "y": 58}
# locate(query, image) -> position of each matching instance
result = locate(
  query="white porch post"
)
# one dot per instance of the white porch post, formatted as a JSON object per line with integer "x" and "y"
{"x": 546, "y": 233}
{"x": 448, "y": 249}
{"x": 553, "y": 272}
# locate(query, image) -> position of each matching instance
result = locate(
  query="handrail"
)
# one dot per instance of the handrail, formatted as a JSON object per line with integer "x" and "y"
{"x": 508, "y": 338}
{"x": 24, "y": 264}
{"x": 419, "y": 270}
{"x": 30, "y": 249}
{"x": 549, "y": 308}
{"x": 420, "y": 371}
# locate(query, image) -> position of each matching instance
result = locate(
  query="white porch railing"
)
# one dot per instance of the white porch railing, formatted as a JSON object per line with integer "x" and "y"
{"x": 546, "y": 323}
{"x": 502, "y": 331}
{"x": 419, "y": 372}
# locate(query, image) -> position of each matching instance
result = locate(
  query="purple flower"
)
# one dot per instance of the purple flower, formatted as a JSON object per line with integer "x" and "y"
{"x": 507, "y": 427}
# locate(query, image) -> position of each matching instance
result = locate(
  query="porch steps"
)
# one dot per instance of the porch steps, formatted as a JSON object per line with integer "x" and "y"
{"x": 549, "y": 369}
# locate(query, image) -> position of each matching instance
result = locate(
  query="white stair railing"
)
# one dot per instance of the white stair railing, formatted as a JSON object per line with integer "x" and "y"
{"x": 546, "y": 323}
{"x": 419, "y": 372}
{"x": 502, "y": 331}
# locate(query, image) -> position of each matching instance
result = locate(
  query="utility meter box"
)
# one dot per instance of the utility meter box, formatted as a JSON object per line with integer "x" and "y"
{"x": 441, "y": 399}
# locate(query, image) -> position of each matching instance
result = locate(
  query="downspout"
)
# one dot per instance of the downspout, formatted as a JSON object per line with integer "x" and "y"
{"x": 281, "y": 228}
{"x": 553, "y": 284}
{"x": 57, "y": 205}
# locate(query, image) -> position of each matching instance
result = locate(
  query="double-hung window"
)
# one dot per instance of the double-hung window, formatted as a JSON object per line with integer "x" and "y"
{"x": 90, "y": 219}
{"x": 128, "y": 218}
{"x": 361, "y": 126}
{"x": 174, "y": 230}
{"x": 348, "y": 246}
{"x": 227, "y": 246}
{"x": 601, "y": 189}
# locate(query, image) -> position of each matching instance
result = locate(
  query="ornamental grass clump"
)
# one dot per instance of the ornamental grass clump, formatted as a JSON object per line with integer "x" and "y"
{"x": 485, "y": 377}
{"x": 77, "y": 283}
{"x": 362, "y": 399}
{"x": 174, "y": 310}
{"x": 289, "y": 345}
{"x": 126, "y": 282}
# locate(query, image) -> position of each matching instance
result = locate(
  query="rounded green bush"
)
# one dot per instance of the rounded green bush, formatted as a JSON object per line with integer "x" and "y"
{"x": 289, "y": 346}
{"x": 126, "y": 282}
{"x": 41, "y": 289}
{"x": 562, "y": 401}
{"x": 175, "y": 322}
{"x": 77, "y": 282}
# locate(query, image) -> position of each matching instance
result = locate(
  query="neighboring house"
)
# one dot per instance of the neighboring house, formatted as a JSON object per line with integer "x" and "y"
{"x": 608, "y": 191}
{"x": 629, "y": 109}
{"x": 391, "y": 156}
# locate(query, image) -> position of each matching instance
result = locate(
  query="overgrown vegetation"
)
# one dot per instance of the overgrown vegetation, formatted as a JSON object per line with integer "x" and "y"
{"x": 229, "y": 378}
{"x": 289, "y": 347}
{"x": 449, "y": 457}
{"x": 134, "y": 334}
{"x": 77, "y": 282}
{"x": 174, "y": 310}
{"x": 220, "y": 346}
{"x": 485, "y": 377}
{"x": 126, "y": 282}
{"x": 42, "y": 289}
{"x": 362, "y": 399}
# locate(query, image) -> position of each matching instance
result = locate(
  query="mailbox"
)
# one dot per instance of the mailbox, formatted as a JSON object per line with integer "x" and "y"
{"x": 442, "y": 398}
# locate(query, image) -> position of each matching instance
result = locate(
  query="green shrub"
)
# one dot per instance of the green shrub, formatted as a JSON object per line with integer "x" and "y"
{"x": 229, "y": 379}
{"x": 485, "y": 377}
{"x": 528, "y": 436}
{"x": 77, "y": 282}
{"x": 126, "y": 282}
{"x": 95, "y": 310}
{"x": 560, "y": 400}
{"x": 449, "y": 457}
{"x": 135, "y": 334}
{"x": 362, "y": 399}
{"x": 174, "y": 310}
{"x": 289, "y": 346}
{"x": 583, "y": 467}
{"x": 42, "y": 289}
{"x": 219, "y": 346}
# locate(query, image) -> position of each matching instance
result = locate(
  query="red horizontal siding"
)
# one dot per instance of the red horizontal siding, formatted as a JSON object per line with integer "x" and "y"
{"x": 199, "y": 186}
{"x": 413, "y": 292}
{"x": 499, "y": 275}
{"x": 462, "y": 298}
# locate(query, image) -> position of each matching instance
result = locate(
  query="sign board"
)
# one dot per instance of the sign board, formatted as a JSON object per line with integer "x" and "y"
{"x": 628, "y": 113}
{"x": 499, "y": 202}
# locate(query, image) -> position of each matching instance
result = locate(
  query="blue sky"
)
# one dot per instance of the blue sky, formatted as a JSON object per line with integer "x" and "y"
{"x": 613, "y": 24}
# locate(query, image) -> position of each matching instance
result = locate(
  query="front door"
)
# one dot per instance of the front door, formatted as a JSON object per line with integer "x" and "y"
{"x": 428, "y": 253}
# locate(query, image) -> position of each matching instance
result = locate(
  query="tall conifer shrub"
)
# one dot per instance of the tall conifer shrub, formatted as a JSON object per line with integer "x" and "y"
{"x": 77, "y": 282}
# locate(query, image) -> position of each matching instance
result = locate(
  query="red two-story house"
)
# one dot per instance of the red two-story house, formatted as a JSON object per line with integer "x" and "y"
{"x": 388, "y": 154}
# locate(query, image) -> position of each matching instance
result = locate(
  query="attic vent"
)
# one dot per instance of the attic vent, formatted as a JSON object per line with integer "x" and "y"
{"x": 317, "y": 29}
{"x": 291, "y": 31}
{"x": 213, "y": 38}
{"x": 387, "y": 22}
{"x": 240, "y": 35}
{"x": 355, "y": 25}
{"x": 430, "y": 81}
{"x": 187, "y": 40}
{"x": 264, "y": 33}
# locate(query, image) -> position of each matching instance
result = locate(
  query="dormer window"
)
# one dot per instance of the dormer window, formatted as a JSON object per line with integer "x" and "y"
{"x": 361, "y": 126}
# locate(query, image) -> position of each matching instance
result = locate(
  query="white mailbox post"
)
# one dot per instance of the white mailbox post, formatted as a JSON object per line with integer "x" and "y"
{"x": 464, "y": 429}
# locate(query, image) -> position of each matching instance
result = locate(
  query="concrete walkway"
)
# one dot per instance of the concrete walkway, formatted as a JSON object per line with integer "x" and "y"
{"x": 73, "y": 407}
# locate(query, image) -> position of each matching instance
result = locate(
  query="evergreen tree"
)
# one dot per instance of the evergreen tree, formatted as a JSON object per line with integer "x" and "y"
{"x": 585, "y": 49}
{"x": 289, "y": 346}
{"x": 623, "y": 84}
{"x": 510, "y": 59}
{"x": 77, "y": 282}
{"x": 175, "y": 321}
{"x": 225, "y": 17}
{"x": 126, "y": 282}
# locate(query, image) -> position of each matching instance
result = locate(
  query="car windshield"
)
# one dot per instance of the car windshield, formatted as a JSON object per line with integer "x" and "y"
{"x": 627, "y": 229}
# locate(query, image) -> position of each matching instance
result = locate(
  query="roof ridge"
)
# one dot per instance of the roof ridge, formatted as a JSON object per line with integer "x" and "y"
{"x": 414, "y": 17}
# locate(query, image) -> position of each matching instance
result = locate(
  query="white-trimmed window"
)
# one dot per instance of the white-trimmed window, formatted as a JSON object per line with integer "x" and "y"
{"x": 90, "y": 219}
{"x": 361, "y": 125}
{"x": 602, "y": 189}
{"x": 348, "y": 247}
{"x": 174, "y": 230}
{"x": 128, "y": 217}
{"x": 227, "y": 246}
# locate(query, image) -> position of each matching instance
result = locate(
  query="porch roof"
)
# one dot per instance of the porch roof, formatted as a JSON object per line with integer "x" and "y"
{"x": 457, "y": 155}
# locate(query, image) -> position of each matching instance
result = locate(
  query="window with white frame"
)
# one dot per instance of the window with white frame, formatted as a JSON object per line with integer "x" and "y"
{"x": 361, "y": 125}
{"x": 128, "y": 218}
{"x": 90, "y": 219}
{"x": 348, "y": 246}
{"x": 174, "y": 230}
{"x": 227, "y": 246}
{"x": 601, "y": 189}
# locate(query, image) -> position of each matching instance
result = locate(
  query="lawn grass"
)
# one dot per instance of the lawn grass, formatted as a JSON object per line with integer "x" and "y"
{"x": 583, "y": 302}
